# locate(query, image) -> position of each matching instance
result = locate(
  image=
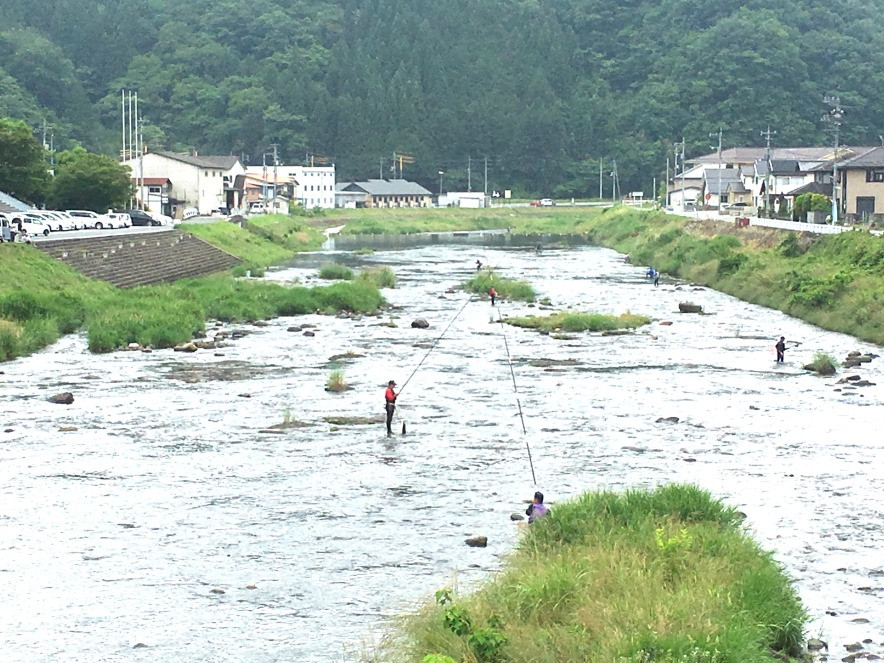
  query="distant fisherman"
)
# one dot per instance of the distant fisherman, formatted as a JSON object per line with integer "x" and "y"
{"x": 493, "y": 294}
{"x": 478, "y": 265}
{"x": 538, "y": 509}
{"x": 656, "y": 279}
{"x": 781, "y": 349}
{"x": 390, "y": 404}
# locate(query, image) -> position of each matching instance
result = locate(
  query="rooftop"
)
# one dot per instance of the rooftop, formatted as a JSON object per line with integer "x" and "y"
{"x": 215, "y": 162}
{"x": 874, "y": 158}
{"x": 386, "y": 188}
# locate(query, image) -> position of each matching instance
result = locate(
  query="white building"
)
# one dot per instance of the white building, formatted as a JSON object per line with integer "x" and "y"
{"x": 465, "y": 199}
{"x": 314, "y": 186}
{"x": 204, "y": 183}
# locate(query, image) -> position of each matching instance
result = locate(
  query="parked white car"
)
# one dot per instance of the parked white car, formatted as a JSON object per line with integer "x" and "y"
{"x": 95, "y": 220}
{"x": 30, "y": 223}
{"x": 163, "y": 219}
{"x": 57, "y": 220}
{"x": 119, "y": 219}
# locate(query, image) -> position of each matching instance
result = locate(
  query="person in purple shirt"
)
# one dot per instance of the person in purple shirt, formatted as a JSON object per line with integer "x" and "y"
{"x": 538, "y": 509}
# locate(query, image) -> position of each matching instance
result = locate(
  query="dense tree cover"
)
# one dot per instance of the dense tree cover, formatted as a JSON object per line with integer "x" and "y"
{"x": 23, "y": 171}
{"x": 543, "y": 88}
{"x": 89, "y": 181}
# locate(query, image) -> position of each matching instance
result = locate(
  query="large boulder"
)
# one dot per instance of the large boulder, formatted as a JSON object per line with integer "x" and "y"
{"x": 477, "y": 541}
{"x": 64, "y": 398}
{"x": 689, "y": 307}
{"x": 420, "y": 323}
{"x": 186, "y": 347}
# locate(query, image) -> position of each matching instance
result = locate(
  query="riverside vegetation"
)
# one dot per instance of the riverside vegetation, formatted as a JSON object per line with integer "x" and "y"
{"x": 573, "y": 321}
{"x": 42, "y": 299}
{"x": 662, "y": 575}
{"x": 833, "y": 281}
{"x": 505, "y": 288}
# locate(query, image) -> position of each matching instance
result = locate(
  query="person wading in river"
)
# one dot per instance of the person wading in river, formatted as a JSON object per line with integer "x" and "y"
{"x": 781, "y": 349}
{"x": 478, "y": 265}
{"x": 390, "y": 404}
{"x": 493, "y": 294}
{"x": 538, "y": 509}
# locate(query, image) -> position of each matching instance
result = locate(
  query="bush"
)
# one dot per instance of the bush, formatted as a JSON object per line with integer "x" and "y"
{"x": 823, "y": 363}
{"x": 332, "y": 271}
{"x": 10, "y": 340}
{"x": 380, "y": 277}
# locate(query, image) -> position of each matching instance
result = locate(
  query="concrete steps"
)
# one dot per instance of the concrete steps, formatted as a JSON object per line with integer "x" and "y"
{"x": 127, "y": 261}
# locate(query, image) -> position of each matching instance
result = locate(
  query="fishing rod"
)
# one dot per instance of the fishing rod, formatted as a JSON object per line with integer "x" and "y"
{"x": 509, "y": 360}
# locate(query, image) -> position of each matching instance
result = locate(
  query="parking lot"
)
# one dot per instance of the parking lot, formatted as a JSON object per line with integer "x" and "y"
{"x": 118, "y": 232}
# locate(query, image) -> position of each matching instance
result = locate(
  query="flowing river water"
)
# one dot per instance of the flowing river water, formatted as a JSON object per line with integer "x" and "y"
{"x": 160, "y": 488}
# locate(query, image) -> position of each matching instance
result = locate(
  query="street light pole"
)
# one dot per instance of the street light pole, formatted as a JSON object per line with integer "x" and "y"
{"x": 441, "y": 173}
{"x": 834, "y": 117}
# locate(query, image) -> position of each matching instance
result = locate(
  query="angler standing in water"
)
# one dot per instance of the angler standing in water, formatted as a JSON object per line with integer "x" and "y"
{"x": 781, "y": 349}
{"x": 478, "y": 265}
{"x": 390, "y": 405}
{"x": 493, "y": 294}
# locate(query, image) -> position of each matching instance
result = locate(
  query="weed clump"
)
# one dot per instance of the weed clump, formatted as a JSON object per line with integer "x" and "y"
{"x": 823, "y": 363}
{"x": 569, "y": 321}
{"x": 380, "y": 277}
{"x": 336, "y": 382}
{"x": 334, "y": 272}
{"x": 505, "y": 288}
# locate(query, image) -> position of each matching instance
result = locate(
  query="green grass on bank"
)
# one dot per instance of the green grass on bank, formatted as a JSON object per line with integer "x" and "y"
{"x": 292, "y": 232}
{"x": 505, "y": 288}
{"x": 175, "y": 312}
{"x": 665, "y": 575}
{"x": 572, "y": 321}
{"x": 834, "y": 281}
{"x": 42, "y": 299}
{"x": 520, "y": 220}
{"x": 256, "y": 252}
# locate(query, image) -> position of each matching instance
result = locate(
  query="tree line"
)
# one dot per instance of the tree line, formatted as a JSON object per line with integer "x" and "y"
{"x": 544, "y": 89}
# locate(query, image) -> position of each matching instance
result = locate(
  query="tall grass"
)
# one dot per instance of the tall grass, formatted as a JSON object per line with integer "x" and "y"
{"x": 380, "y": 277}
{"x": 336, "y": 381}
{"x": 574, "y": 322}
{"x": 833, "y": 281}
{"x": 505, "y": 288}
{"x": 254, "y": 250}
{"x": 648, "y": 575}
{"x": 333, "y": 271}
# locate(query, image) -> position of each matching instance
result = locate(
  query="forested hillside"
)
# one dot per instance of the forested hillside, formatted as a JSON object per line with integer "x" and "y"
{"x": 543, "y": 88}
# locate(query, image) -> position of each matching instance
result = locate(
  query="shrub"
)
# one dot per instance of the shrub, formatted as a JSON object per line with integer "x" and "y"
{"x": 381, "y": 277}
{"x": 332, "y": 272}
{"x": 823, "y": 363}
{"x": 10, "y": 339}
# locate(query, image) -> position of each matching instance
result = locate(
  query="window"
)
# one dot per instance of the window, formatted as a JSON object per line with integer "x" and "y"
{"x": 154, "y": 189}
{"x": 207, "y": 173}
{"x": 875, "y": 176}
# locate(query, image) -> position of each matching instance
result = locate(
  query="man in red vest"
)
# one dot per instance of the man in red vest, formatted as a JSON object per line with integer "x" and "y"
{"x": 493, "y": 294}
{"x": 390, "y": 404}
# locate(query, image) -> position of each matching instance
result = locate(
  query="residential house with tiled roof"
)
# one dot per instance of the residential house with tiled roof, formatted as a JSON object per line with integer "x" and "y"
{"x": 388, "y": 193}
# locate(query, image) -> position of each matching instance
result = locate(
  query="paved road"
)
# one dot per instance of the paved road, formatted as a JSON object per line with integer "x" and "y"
{"x": 817, "y": 228}
{"x": 121, "y": 232}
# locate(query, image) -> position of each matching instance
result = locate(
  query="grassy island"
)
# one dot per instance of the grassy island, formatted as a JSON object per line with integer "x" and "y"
{"x": 505, "y": 288}
{"x": 666, "y": 575}
{"x": 573, "y": 321}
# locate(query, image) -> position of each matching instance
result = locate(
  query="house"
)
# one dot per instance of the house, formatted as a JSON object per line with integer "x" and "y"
{"x": 274, "y": 193}
{"x": 154, "y": 194}
{"x": 389, "y": 193}
{"x": 349, "y": 199}
{"x": 312, "y": 186}
{"x": 10, "y": 204}
{"x": 723, "y": 186}
{"x": 205, "y": 183}
{"x": 861, "y": 181}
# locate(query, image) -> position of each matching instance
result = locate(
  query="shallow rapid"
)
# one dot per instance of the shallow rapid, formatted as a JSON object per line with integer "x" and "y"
{"x": 115, "y": 532}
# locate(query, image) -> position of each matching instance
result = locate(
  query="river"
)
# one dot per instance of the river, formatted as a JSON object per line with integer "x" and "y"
{"x": 114, "y": 535}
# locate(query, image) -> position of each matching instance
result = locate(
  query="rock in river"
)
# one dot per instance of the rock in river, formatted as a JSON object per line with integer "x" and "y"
{"x": 688, "y": 307}
{"x": 186, "y": 347}
{"x": 668, "y": 420}
{"x": 420, "y": 323}
{"x": 477, "y": 541}
{"x": 64, "y": 398}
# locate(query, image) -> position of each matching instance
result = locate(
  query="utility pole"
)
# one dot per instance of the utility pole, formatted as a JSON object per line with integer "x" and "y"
{"x": 767, "y": 135}
{"x": 601, "y": 170}
{"x": 719, "y": 168}
{"x": 264, "y": 180}
{"x": 834, "y": 117}
{"x": 380, "y": 168}
{"x": 275, "y": 168}
{"x": 666, "y": 202}
{"x": 486, "y": 178}
{"x": 123, "y": 116}
{"x": 469, "y": 173}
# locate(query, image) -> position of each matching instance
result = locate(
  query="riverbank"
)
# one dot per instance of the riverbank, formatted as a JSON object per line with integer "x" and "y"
{"x": 661, "y": 575}
{"x": 262, "y": 241}
{"x": 42, "y": 299}
{"x": 833, "y": 281}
